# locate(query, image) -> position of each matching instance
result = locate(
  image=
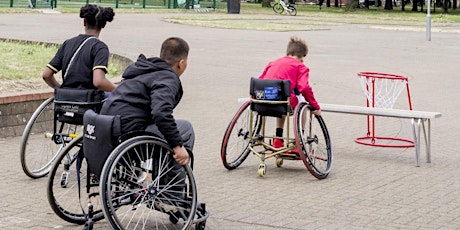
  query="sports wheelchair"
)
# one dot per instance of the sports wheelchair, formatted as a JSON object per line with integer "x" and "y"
{"x": 246, "y": 132}
{"x": 55, "y": 123}
{"x": 132, "y": 180}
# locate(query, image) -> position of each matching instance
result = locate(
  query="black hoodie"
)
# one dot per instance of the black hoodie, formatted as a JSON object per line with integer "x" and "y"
{"x": 148, "y": 94}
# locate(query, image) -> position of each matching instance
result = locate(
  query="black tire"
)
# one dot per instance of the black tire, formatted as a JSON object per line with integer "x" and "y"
{"x": 278, "y": 8}
{"x": 292, "y": 10}
{"x": 141, "y": 191}
{"x": 39, "y": 144}
{"x": 69, "y": 199}
{"x": 313, "y": 141}
{"x": 37, "y": 149}
{"x": 234, "y": 149}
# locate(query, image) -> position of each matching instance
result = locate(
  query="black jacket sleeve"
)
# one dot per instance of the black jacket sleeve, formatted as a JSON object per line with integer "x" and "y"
{"x": 164, "y": 98}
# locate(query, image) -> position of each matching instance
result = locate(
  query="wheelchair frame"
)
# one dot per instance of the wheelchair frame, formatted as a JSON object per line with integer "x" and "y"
{"x": 312, "y": 146}
{"x": 65, "y": 188}
{"x": 129, "y": 182}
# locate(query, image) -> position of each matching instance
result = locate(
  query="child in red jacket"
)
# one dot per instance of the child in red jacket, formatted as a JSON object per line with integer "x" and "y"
{"x": 291, "y": 67}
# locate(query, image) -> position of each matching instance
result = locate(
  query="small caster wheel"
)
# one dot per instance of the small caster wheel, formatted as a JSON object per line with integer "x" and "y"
{"x": 201, "y": 225}
{"x": 262, "y": 170}
{"x": 279, "y": 162}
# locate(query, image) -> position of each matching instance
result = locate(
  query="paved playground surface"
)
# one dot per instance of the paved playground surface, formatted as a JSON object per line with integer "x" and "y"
{"x": 368, "y": 188}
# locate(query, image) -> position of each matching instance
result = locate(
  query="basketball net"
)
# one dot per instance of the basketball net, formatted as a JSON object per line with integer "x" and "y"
{"x": 382, "y": 91}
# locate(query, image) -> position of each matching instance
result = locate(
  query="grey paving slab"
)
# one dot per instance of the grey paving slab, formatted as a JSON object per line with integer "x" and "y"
{"x": 368, "y": 188}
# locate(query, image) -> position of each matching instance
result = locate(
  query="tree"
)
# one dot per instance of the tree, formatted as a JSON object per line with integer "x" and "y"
{"x": 388, "y": 5}
{"x": 414, "y": 5}
{"x": 446, "y": 5}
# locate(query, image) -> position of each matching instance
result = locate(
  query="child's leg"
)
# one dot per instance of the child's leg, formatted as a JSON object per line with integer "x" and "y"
{"x": 280, "y": 126}
{"x": 279, "y": 142}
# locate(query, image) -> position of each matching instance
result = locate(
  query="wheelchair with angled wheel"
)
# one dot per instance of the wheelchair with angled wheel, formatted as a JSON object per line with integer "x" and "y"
{"x": 246, "y": 132}
{"x": 131, "y": 180}
{"x": 54, "y": 124}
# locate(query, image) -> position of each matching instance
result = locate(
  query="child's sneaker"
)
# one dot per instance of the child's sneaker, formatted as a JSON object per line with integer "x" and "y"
{"x": 278, "y": 143}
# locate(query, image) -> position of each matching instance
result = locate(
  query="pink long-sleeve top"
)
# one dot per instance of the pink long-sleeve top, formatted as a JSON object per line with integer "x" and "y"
{"x": 289, "y": 68}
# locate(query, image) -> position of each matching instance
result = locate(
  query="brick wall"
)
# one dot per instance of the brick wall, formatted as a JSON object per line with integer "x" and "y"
{"x": 17, "y": 108}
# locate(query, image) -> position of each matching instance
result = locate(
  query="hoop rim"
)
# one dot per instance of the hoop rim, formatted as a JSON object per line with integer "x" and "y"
{"x": 382, "y": 76}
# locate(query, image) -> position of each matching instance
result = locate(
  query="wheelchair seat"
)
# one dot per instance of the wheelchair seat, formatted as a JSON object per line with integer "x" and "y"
{"x": 270, "y": 97}
{"x": 71, "y": 104}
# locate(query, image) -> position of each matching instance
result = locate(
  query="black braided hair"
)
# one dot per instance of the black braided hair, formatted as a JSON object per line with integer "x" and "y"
{"x": 96, "y": 16}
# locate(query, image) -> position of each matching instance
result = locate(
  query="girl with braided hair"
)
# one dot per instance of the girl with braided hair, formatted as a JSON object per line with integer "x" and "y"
{"x": 83, "y": 59}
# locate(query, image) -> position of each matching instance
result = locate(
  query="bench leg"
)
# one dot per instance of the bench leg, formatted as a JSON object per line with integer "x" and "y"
{"x": 416, "y": 130}
{"x": 428, "y": 141}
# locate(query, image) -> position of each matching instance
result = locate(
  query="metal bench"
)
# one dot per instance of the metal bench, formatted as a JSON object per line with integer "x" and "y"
{"x": 418, "y": 119}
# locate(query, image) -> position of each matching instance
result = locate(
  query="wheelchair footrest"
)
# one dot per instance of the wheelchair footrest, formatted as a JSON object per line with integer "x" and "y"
{"x": 290, "y": 155}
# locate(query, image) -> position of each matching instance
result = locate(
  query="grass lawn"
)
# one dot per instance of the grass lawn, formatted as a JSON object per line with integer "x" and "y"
{"x": 22, "y": 65}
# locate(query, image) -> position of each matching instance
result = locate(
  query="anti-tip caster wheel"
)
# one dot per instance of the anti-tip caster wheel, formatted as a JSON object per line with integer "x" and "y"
{"x": 279, "y": 162}
{"x": 262, "y": 170}
{"x": 201, "y": 225}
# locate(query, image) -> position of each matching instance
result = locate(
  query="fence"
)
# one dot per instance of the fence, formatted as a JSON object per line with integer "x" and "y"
{"x": 130, "y": 4}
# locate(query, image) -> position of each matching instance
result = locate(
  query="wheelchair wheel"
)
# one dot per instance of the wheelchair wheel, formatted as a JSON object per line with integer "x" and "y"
{"x": 313, "y": 141}
{"x": 69, "y": 189}
{"x": 235, "y": 144}
{"x": 39, "y": 146}
{"x": 143, "y": 187}
{"x": 278, "y": 8}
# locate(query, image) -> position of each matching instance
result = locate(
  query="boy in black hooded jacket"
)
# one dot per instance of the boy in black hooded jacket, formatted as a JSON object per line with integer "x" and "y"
{"x": 148, "y": 94}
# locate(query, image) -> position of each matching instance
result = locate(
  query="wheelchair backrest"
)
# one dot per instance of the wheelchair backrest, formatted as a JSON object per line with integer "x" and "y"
{"x": 99, "y": 138}
{"x": 71, "y": 104}
{"x": 270, "y": 97}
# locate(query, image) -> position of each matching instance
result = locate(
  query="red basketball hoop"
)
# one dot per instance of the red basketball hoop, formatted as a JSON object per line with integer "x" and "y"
{"x": 381, "y": 91}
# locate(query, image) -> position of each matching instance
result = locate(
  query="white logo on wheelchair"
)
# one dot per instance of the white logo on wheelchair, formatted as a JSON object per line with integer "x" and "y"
{"x": 260, "y": 94}
{"x": 90, "y": 131}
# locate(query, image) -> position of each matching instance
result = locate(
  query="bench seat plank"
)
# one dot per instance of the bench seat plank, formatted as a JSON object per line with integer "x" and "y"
{"x": 401, "y": 113}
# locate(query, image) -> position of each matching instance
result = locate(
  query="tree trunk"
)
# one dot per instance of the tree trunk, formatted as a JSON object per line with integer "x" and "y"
{"x": 388, "y": 5}
{"x": 446, "y": 6}
{"x": 336, "y": 3}
{"x": 454, "y": 5}
{"x": 414, "y": 5}
{"x": 328, "y": 3}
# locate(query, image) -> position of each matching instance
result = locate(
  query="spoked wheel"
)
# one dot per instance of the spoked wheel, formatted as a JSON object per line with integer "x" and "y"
{"x": 292, "y": 10}
{"x": 144, "y": 188}
{"x": 278, "y": 8}
{"x": 70, "y": 186}
{"x": 313, "y": 139}
{"x": 235, "y": 144}
{"x": 39, "y": 146}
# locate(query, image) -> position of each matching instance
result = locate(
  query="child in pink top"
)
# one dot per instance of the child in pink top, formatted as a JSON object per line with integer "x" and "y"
{"x": 291, "y": 67}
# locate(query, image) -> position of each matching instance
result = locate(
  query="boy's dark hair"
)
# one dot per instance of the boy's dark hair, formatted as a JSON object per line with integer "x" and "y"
{"x": 96, "y": 16}
{"x": 173, "y": 50}
{"x": 297, "y": 47}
